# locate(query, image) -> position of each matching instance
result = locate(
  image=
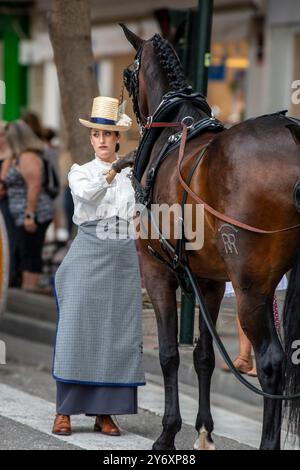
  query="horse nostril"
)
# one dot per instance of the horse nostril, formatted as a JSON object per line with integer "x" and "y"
{"x": 296, "y": 196}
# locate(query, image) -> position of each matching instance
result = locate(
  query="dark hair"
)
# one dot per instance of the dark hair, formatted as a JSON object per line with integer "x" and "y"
{"x": 33, "y": 122}
{"x": 117, "y": 145}
{"x": 21, "y": 138}
{"x": 48, "y": 134}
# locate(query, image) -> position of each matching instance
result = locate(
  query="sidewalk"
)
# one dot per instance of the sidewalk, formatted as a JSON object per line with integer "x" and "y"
{"x": 33, "y": 317}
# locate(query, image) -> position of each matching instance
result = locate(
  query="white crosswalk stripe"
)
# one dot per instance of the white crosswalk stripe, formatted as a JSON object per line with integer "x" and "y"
{"x": 38, "y": 413}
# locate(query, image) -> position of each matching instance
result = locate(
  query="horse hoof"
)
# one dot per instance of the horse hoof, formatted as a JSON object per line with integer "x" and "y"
{"x": 160, "y": 446}
{"x": 204, "y": 442}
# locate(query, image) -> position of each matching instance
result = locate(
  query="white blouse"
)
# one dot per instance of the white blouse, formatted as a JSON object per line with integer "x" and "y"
{"x": 94, "y": 198}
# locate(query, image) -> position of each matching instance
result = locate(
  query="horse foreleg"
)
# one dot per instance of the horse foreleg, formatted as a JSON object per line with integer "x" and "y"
{"x": 204, "y": 363}
{"x": 256, "y": 317}
{"x": 166, "y": 313}
{"x": 161, "y": 286}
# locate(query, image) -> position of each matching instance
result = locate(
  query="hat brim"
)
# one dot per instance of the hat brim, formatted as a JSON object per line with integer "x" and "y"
{"x": 104, "y": 127}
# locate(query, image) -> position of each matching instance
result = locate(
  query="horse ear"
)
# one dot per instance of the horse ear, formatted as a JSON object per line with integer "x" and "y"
{"x": 134, "y": 40}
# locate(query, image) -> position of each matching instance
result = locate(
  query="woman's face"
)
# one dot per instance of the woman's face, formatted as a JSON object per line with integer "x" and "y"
{"x": 104, "y": 144}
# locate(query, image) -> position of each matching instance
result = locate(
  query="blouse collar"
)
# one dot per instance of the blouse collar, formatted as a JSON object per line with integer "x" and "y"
{"x": 100, "y": 162}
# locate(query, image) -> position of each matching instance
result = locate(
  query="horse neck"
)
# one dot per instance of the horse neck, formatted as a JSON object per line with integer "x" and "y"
{"x": 156, "y": 88}
{"x": 155, "y": 94}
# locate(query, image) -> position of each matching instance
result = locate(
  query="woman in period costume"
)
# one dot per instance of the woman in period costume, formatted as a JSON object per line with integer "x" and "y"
{"x": 98, "y": 352}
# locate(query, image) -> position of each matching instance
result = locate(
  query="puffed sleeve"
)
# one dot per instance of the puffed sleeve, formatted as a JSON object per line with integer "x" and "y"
{"x": 85, "y": 186}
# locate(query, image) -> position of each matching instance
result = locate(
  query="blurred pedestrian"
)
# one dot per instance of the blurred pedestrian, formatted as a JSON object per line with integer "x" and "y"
{"x": 244, "y": 361}
{"x": 50, "y": 154}
{"x": 33, "y": 121}
{"x": 29, "y": 203}
{"x": 67, "y": 205}
{"x": 5, "y": 154}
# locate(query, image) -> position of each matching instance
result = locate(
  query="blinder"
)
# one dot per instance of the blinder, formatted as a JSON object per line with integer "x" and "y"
{"x": 131, "y": 82}
{"x": 296, "y": 196}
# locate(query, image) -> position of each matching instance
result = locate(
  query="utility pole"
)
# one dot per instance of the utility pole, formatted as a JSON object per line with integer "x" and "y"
{"x": 204, "y": 20}
{"x": 202, "y": 62}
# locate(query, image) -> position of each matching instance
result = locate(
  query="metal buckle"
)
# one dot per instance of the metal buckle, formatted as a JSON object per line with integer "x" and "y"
{"x": 130, "y": 175}
{"x": 149, "y": 120}
{"x": 174, "y": 137}
{"x": 141, "y": 129}
{"x": 191, "y": 120}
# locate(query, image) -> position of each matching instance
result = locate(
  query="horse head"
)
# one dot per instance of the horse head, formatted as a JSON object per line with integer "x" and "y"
{"x": 155, "y": 71}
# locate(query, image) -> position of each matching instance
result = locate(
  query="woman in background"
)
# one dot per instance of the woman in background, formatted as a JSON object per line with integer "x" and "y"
{"x": 30, "y": 205}
{"x": 5, "y": 155}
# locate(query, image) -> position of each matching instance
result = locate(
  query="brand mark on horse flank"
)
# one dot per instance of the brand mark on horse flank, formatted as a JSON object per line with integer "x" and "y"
{"x": 229, "y": 239}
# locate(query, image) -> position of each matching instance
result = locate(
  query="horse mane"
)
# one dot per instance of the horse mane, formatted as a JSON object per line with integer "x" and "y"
{"x": 170, "y": 63}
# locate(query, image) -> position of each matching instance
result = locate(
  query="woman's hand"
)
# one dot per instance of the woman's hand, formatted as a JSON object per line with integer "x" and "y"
{"x": 30, "y": 225}
{"x": 124, "y": 162}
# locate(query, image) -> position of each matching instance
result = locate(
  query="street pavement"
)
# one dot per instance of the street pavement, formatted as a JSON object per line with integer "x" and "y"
{"x": 27, "y": 393}
{"x": 27, "y": 408}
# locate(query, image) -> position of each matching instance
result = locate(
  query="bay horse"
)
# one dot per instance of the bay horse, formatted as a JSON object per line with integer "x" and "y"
{"x": 248, "y": 173}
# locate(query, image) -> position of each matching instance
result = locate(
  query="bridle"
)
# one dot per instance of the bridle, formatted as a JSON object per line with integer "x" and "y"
{"x": 131, "y": 82}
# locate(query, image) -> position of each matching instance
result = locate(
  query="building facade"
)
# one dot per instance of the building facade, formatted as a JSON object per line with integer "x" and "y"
{"x": 254, "y": 60}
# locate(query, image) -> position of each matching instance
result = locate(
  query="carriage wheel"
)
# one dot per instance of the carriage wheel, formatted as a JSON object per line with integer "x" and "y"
{"x": 4, "y": 265}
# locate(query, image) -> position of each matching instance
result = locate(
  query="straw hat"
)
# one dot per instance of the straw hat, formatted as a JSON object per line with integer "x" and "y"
{"x": 108, "y": 115}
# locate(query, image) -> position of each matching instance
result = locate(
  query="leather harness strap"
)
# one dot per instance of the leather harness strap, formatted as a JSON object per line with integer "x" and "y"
{"x": 196, "y": 198}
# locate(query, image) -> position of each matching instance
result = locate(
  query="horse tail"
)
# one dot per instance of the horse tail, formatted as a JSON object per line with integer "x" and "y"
{"x": 291, "y": 326}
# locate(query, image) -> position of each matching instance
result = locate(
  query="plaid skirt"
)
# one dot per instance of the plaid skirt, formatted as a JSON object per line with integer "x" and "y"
{"x": 99, "y": 330}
